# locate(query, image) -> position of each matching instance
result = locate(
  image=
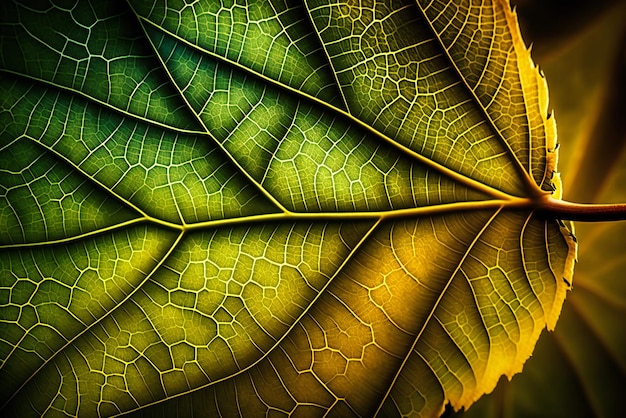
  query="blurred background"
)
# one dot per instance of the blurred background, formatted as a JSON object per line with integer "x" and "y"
{"x": 579, "y": 370}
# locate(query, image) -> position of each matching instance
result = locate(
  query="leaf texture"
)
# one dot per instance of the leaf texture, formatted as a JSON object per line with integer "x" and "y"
{"x": 234, "y": 209}
{"x": 579, "y": 370}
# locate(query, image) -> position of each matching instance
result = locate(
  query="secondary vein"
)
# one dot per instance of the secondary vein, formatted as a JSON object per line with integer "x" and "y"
{"x": 454, "y": 175}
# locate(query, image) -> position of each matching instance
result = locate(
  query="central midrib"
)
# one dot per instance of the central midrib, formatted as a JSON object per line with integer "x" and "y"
{"x": 527, "y": 204}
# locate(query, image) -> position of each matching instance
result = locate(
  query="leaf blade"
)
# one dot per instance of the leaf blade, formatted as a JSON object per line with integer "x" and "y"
{"x": 271, "y": 143}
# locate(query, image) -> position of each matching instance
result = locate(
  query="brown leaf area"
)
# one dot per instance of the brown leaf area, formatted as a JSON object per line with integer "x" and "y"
{"x": 579, "y": 370}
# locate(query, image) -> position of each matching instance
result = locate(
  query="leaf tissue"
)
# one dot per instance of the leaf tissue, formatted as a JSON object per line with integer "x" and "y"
{"x": 264, "y": 208}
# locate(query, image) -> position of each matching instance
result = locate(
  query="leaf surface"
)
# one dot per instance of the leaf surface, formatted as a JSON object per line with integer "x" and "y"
{"x": 231, "y": 209}
{"x": 579, "y": 370}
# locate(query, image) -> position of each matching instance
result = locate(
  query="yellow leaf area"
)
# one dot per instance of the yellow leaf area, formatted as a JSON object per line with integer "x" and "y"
{"x": 271, "y": 208}
{"x": 580, "y": 369}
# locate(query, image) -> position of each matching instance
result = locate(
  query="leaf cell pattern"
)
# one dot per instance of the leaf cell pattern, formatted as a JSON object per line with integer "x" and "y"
{"x": 270, "y": 208}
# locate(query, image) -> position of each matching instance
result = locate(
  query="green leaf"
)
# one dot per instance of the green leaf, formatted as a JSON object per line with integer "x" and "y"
{"x": 253, "y": 209}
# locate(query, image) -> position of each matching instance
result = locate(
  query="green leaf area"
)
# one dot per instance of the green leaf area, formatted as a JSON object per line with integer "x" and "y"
{"x": 231, "y": 209}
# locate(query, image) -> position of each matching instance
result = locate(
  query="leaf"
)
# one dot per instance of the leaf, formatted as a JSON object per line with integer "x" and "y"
{"x": 269, "y": 208}
{"x": 580, "y": 369}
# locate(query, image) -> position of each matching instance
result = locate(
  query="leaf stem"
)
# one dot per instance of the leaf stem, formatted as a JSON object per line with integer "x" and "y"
{"x": 585, "y": 212}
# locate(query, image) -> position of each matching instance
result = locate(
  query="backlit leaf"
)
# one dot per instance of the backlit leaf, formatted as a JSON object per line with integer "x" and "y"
{"x": 579, "y": 370}
{"x": 222, "y": 208}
